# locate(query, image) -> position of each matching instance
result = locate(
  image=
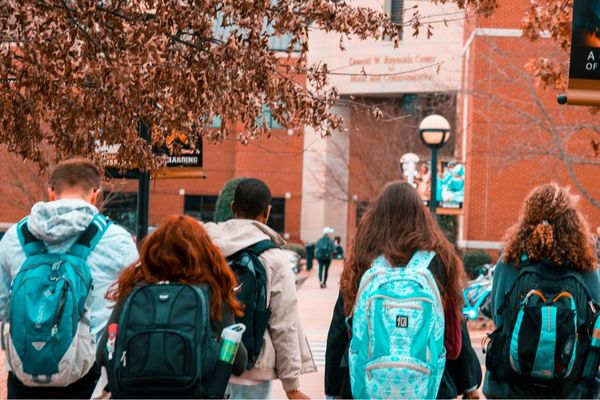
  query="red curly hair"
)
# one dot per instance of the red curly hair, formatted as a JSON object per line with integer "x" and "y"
{"x": 180, "y": 250}
{"x": 551, "y": 228}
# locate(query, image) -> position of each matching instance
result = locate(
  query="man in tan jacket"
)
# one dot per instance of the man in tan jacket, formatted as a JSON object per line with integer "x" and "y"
{"x": 285, "y": 353}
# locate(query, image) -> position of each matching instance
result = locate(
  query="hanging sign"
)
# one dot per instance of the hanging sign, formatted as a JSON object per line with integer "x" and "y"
{"x": 584, "y": 70}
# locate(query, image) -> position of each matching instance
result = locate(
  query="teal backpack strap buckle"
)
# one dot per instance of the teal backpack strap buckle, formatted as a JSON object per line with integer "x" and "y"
{"x": 90, "y": 237}
{"x": 30, "y": 244}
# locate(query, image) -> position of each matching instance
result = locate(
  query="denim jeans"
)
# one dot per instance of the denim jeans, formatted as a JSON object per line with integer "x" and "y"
{"x": 258, "y": 391}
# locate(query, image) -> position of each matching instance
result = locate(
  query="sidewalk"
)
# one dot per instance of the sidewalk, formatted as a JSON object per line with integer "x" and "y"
{"x": 316, "y": 308}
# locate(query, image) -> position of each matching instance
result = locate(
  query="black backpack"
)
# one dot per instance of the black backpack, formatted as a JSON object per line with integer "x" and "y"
{"x": 541, "y": 346}
{"x": 165, "y": 347}
{"x": 252, "y": 292}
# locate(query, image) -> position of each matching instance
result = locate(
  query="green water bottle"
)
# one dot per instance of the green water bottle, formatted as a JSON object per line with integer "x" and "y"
{"x": 231, "y": 337}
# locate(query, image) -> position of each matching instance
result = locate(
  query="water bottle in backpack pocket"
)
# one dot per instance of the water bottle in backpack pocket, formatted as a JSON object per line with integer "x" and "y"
{"x": 47, "y": 340}
{"x": 397, "y": 346}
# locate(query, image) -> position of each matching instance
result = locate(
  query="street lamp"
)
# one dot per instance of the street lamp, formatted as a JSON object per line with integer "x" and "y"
{"x": 434, "y": 131}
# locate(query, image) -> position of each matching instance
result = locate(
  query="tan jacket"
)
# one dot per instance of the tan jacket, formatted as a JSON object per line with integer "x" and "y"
{"x": 285, "y": 353}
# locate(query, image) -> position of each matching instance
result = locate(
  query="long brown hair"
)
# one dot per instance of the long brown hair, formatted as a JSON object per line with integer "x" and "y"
{"x": 181, "y": 251}
{"x": 551, "y": 228}
{"x": 397, "y": 225}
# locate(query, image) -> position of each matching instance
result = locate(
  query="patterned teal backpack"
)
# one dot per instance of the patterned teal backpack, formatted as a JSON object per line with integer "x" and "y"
{"x": 397, "y": 347}
{"x": 48, "y": 340}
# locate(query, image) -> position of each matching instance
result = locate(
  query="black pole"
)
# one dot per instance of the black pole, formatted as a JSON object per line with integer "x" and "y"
{"x": 433, "y": 179}
{"x": 143, "y": 198}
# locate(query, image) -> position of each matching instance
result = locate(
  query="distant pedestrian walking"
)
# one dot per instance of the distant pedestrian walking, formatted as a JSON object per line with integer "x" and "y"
{"x": 180, "y": 297}
{"x": 338, "y": 252}
{"x": 324, "y": 249}
{"x": 55, "y": 267}
{"x": 545, "y": 296}
{"x": 401, "y": 289}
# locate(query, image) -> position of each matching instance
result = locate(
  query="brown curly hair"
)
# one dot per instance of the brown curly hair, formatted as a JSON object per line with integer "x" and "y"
{"x": 397, "y": 225}
{"x": 551, "y": 228}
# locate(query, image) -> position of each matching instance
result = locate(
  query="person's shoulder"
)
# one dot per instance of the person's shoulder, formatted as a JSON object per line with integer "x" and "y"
{"x": 116, "y": 231}
{"x": 117, "y": 242}
{"x": 10, "y": 242}
{"x": 276, "y": 259}
{"x": 10, "y": 235}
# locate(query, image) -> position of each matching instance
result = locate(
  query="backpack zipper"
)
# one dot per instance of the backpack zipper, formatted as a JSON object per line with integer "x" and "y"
{"x": 60, "y": 308}
{"x": 124, "y": 358}
{"x": 392, "y": 364}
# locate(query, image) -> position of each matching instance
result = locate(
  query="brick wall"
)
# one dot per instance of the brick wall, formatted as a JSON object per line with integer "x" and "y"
{"x": 511, "y": 145}
{"x": 276, "y": 160}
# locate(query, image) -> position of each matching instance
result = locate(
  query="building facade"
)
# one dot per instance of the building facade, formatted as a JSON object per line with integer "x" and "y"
{"x": 510, "y": 135}
{"x": 421, "y": 76}
{"x": 514, "y": 135}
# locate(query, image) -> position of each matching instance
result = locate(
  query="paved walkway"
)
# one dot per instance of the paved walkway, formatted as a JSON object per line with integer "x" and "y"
{"x": 316, "y": 308}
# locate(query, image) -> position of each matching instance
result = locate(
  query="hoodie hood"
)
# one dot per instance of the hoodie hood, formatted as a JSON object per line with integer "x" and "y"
{"x": 237, "y": 234}
{"x": 57, "y": 221}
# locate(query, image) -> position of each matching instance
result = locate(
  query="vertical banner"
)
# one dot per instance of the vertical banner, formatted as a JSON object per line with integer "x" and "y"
{"x": 584, "y": 70}
{"x": 450, "y": 186}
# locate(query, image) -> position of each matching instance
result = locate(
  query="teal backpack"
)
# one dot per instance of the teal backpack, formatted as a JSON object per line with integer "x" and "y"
{"x": 47, "y": 340}
{"x": 324, "y": 248}
{"x": 397, "y": 347}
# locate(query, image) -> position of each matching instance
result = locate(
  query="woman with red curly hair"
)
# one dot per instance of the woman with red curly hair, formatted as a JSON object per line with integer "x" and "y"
{"x": 181, "y": 251}
{"x": 544, "y": 289}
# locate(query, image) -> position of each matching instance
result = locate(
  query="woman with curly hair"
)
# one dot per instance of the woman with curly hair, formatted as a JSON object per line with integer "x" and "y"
{"x": 544, "y": 289}
{"x": 393, "y": 233}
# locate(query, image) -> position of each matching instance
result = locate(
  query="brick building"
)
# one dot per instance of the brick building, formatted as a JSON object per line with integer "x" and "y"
{"x": 514, "y": 136}
{"x": 277, "y": 161}
{"x": 510, "y": 135}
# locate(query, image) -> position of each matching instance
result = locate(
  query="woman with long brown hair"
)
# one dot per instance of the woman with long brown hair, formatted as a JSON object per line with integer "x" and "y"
{"x": 395, "y": 229}
{"x": 179, "y": 253}
{"x": 546, "y": 278}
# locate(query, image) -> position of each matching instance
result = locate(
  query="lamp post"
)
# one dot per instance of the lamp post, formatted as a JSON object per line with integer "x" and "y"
{"x": 434, "y": 131}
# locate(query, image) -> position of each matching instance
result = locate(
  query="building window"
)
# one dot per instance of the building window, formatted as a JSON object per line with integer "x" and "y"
{"x": 121, "y": 207}
{"x": 395, "y": 9}
{"x": 200, "y": 207}
{"x": 277, "y": 216}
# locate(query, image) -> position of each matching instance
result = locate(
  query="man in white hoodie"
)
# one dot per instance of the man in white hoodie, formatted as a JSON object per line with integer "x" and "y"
{"x": 74, "y": 188}
{"x": 285, "y": 353}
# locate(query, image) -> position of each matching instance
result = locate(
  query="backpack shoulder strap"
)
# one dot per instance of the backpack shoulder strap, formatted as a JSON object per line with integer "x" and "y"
{"x": 30, "y": 244}
{"x": 262, "y": 246}
{"x": 525, "y": 267}
{"x": 421, "y": 259}
{"x": 90, "y": 237}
